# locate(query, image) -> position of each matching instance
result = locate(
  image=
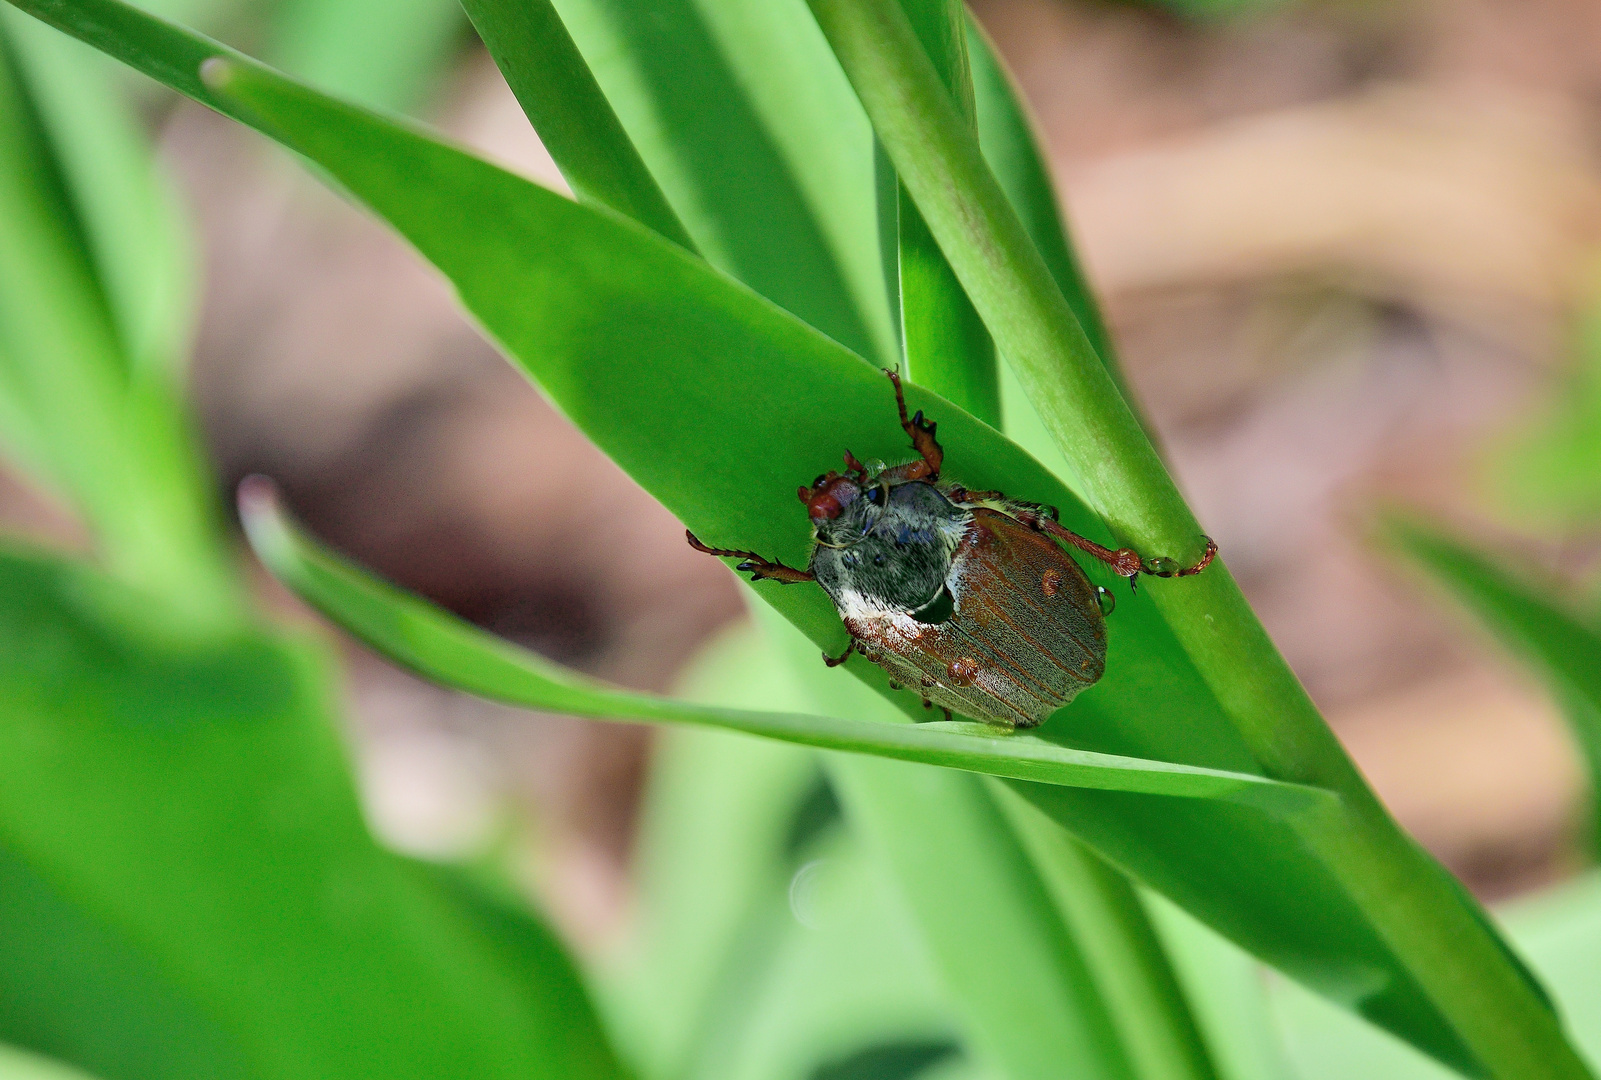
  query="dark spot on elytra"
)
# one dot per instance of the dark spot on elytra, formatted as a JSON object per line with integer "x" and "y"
{"x": 963, "y": 670}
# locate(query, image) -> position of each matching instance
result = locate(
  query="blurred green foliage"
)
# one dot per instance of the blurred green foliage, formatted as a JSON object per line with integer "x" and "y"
{"x": 182, "y": 855}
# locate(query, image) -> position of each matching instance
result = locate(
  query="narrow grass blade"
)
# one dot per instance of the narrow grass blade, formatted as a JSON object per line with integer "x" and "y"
{"x": 698, "y": 85}
{"x": 1022, "y": 991}
{"x": 132, "y": 228}
{"x": 1116, "y": 1001}
{"x": 455, "y": 653}
{"x": 81, "y": 414}
{"x": 1006, "y": 134}
{"x": 567, "y": 108}
{"x": 1527, "y": 619}
{"x": 947, "y": 348}
{"x": 1124, "y": 958}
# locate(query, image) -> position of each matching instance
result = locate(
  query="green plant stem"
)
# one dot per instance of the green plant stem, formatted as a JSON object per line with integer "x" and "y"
{"x": 1411, "y": 903}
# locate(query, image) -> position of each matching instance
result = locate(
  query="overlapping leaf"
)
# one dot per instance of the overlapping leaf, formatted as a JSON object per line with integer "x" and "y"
{"x": 193, "y": 888}
{"x": 718, "y": 403}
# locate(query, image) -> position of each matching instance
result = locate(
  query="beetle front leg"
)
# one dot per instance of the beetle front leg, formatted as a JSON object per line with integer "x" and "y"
{"x": 753, "y": 564}
{"x": 921, "y": 432}
{"x": 836, "y": 661}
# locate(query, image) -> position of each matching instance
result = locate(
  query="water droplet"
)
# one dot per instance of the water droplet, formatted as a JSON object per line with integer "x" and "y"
{"x": 1163, "y": 567}
{"x": 1108, "y": 602}
{"x": 803, "y": 889}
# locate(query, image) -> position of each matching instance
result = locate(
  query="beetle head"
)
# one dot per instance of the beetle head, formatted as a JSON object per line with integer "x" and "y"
{"x": 828, "y": 496}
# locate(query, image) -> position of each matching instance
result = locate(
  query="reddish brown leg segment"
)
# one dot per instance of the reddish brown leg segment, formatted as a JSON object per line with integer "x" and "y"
{"x": 921, "y": 432}
{"x": 753, "y": 564}
{"x": 836, "y": 661}
{"x": 1124, "y": 561}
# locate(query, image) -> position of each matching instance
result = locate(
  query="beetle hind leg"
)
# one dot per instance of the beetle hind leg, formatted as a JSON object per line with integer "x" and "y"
{"x": 753, "y": 564}
{"x": 1124, "y": 561}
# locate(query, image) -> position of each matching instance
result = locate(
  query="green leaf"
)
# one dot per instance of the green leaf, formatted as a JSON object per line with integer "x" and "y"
{"x": 127, "y": 213}
{"x": 1026, "y": 999}
{"x": 18, "y": 1065}
{"x": 1528, "y": 620}
{"x": 712, "y": 862}
{"x": 191, "y": 804}
{"x": 567, "y": 108}
{"x": 946, "y": 346}
{"x": 1123, "y": 956}
{"x": 1548, "y": 471}
{"x": 741, "y": 113}
{"x": 1123, "y": 1012}
{"x": 76, "y": 410}
{"x": 74, "y": 988}
{"x": 716, "y": 402}
{"x": 435, "y": 643}
{"x": 1006, "y": 133}
{"x": 384, "y": 53}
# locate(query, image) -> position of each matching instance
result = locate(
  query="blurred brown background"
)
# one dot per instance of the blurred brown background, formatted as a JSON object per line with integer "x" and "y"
{"x": 1342, "y": 246}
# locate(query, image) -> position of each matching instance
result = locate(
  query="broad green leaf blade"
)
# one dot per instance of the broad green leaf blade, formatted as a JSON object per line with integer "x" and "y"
{"x": 567, "y": 108}
{"x": 946, "y": 346}
{"x": 191, "y": 801}
{"x": 718, "y": 403}
{"x": 1530, "y": 622}
{"x": 744, "y": 118}
{"x": 76, "y": 989}
{"x": 383, "y": 53}
{"x": 454, "y": 653}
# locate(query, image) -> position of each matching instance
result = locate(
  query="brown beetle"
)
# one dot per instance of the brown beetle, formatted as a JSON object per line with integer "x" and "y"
{"x": 960, "y": 594}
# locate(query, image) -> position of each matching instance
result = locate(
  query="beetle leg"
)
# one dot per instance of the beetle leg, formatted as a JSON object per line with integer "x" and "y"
{"x": 947, "y": 712}
{"x": 1124, "y": 561}
{"x": 855, "y": 469}
{"x": 1167, "y": 568}
{"x": 921, "y": 432}
{"x": 757, "y": 567}
{"x": 836, "y": 661}
{"x": 1021, "y": 509}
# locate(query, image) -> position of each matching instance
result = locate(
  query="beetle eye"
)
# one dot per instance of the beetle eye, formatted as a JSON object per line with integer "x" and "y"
{"x": 876, "y": 496}
{"x": 819, "y": 481}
